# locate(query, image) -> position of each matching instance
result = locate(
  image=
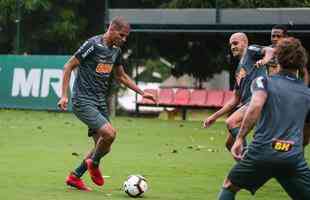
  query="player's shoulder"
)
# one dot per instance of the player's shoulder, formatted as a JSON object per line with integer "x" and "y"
{"x": 89, "y": 43}
{"x": 95, "y": 39}
{"x": 255, "y": 47}
{"x": 260, "y": 83}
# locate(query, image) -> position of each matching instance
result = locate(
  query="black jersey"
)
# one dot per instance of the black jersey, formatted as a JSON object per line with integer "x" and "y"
{"x": 96, "y": 63}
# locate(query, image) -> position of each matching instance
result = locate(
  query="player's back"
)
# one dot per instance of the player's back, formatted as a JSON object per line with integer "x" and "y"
{"x": 247, "y": 71}
{"x": 279, "y": 131}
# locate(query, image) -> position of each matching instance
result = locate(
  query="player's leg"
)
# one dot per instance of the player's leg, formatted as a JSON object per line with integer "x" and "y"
{"x": 105, "y": 136}
{"x": 82, "y": 168}
{"x": 74, "y": 178}
{"x": 96, "y": 119}
{"x": 246, "y": 174}
{"x": 233, "y": 123}
{"x": 229, "y": 141}
{"x": 228, "y": 191}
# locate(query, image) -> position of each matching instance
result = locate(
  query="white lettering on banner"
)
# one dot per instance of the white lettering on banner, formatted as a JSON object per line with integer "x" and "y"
{"x": 26, "y": 85}
{"x": 47, "y": 81}
{"x": 30, "y": 85}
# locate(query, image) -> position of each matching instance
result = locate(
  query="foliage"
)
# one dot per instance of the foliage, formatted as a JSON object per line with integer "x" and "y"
{"x": 200, "y": 60}
{"x": 154, "y": 66}
{"x": 60, "y": 26}
{"x": 235, "y": 3}
{"x": 47, "y": 26}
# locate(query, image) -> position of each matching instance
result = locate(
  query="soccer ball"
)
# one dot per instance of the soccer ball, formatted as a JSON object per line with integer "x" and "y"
{"x": 135, "y": 185}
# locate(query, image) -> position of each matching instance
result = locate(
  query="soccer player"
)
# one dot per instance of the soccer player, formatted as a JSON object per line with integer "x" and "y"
{"x": 278, "y": 32}
{"x": 94, "y": 62}
{"x": 278, "y": 106}
{"x": 252, "y": 60}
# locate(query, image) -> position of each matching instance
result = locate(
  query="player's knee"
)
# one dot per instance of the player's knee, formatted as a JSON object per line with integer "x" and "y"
{"x": 228, "y": 185}
{"x": 110, "y": 135}
{"x": 233, "y": 121}
{"x": 229, "y": 123}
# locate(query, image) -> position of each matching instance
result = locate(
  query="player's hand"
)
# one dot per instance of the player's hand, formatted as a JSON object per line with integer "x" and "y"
{"x": 208, "y": 121}
{"x": 149, "y": 96}
{"x": 63, "y": 103}
{"x": 260, "y": 63}
{"x": 237, "y": 149}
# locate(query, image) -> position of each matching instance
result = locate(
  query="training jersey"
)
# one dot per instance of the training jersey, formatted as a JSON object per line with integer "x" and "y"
{"x": 96, "y": 63}
{"x": 279, "y": 130}
{"x": 246, "y": 72}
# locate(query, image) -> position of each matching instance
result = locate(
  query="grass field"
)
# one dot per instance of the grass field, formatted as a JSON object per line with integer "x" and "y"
{"x": 181, "y": 160}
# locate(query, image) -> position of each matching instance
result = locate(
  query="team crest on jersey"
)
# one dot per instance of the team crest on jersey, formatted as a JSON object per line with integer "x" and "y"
{"x": 282, "y": 145}
{"x": 240, "y": 74}
{"x": 103, "y": 68}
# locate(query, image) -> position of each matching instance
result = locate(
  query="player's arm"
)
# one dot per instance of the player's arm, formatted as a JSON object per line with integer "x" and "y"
{"x": 72, "y": 63}
{"x": 228, "y": 107}
{"x": 252, "y": 114}
{"x": 268, "y": 54}
{"x": 82, "y": 53}
{"x": 123, "y": 78}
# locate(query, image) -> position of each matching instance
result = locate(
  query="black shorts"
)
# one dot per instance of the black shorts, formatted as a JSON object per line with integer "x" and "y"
{"x": 93, "y": 116}
{"x": 294, "y": 177}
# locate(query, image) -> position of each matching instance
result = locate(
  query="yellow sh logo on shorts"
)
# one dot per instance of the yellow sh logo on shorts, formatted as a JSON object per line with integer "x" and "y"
{"x": 282, "y": 145}
{"x": 103, "y": 68}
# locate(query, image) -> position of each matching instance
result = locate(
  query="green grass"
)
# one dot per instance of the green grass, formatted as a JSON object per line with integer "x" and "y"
{"x": 180, "y": 160}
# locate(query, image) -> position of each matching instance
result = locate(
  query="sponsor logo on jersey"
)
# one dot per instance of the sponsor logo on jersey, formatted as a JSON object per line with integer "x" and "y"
{"x": 282, "y": 145}
{"x": 240, "y": 75}
{"x": 103, "y": 68}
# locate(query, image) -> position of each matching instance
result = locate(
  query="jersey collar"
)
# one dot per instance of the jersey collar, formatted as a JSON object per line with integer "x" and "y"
{"x": 288, "y": 75}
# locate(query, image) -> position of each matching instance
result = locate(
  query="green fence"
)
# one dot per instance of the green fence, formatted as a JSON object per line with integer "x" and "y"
{"x": 31, "y": 82}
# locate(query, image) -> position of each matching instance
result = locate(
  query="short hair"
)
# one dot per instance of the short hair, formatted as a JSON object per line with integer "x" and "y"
{"x": 291, "y": 54}
{"x": 119, "y": 22}
{"x": 281, "y": 27}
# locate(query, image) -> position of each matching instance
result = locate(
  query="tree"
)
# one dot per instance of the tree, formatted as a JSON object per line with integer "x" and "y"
{"x": 50, "y": 27}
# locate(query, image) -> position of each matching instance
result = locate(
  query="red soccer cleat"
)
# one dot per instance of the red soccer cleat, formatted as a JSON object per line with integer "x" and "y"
{"x": 76, "y": 182}
{"x": 94, "y": 172}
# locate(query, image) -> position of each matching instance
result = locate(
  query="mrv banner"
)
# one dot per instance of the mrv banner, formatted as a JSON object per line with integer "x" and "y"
{"x": 31, "y": 82}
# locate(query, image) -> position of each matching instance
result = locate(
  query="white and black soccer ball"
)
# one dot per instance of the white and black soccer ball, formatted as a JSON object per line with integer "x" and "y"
{"x": 135, "y": 185}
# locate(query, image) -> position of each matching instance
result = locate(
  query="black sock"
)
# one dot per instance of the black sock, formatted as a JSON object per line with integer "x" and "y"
{"x": 226, "y": 194}
{"x": 234, "y": 132}
{"x": 80, "y": 170}
{"x": 96, "y": 157}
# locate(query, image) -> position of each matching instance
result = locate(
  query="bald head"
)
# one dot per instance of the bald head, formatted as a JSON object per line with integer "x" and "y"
{"x": 238, "y": 43}
{"x": 239, "y": 36}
